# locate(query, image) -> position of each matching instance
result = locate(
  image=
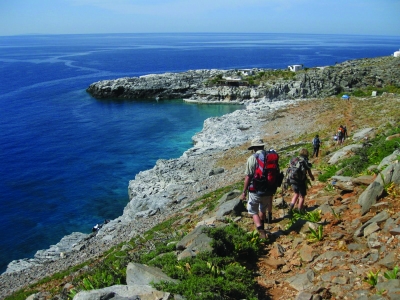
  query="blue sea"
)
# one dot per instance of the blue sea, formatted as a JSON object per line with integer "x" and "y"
{"x": 66, "y": 158}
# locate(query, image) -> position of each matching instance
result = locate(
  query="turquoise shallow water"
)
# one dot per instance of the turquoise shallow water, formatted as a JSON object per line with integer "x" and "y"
{"x": 66, "y": 158}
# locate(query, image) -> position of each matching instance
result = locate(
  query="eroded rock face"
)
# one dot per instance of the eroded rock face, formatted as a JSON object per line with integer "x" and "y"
{"x": 195, "y": 85}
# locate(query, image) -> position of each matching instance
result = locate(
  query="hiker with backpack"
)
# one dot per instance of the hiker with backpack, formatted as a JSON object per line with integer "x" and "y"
{"x": 316, "y": 143}
{"x": 297, "y": 173}
{"x": 340, "y": 134}
{"x": 345, "y": 136}
{"x": 262, "y": 177}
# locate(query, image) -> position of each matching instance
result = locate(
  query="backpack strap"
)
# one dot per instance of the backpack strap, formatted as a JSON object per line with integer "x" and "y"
{"x": 260, "y": 163}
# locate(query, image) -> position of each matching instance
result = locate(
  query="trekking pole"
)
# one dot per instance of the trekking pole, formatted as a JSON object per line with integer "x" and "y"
{"x": 283, "y": 205}
{"x": 283, "y": 189}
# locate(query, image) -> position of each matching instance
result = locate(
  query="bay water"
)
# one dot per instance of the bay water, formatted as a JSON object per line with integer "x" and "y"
{"x": 66, "y": 158}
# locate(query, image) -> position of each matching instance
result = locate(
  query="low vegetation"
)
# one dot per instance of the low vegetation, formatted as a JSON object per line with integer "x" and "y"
{"x": 221, "y": 274}
{"x": 379, "y": 91}
{"x": 270, "y": 75}
{"x": 260, "y": 77}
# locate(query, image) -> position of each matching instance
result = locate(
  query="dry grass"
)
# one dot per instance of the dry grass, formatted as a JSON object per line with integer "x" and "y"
{"x": 302, "y": 121}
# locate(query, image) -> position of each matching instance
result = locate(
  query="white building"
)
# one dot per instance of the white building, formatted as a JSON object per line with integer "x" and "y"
{"x": 396, "y": 54}
{"x": 246, "y": 72}
{"x": 295, "y": 68}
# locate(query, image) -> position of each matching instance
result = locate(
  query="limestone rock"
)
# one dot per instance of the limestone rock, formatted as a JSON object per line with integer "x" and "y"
{"x": 122, "y": 291}
{"x": 303, "y": 281}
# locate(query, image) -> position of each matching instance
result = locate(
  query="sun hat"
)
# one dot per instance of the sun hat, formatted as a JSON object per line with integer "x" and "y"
{"x": 256, "y": 143}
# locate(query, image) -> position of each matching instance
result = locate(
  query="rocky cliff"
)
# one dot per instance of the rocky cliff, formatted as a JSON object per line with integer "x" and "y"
{"x": 309, "y": 83}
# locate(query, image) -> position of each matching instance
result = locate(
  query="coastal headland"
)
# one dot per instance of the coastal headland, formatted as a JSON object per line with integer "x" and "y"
{"x": 241, "y": 86}
{"x": 171, "y": 185}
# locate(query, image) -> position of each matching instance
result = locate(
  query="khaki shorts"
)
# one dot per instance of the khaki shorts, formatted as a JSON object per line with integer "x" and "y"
{"x": 257, "y": 203}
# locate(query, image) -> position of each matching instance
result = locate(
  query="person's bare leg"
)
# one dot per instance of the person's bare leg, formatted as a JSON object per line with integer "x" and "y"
{"x": 301, "y": 202}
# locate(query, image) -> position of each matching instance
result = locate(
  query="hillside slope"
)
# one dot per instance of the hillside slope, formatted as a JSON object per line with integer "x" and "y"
{"x": 334, "y": 277}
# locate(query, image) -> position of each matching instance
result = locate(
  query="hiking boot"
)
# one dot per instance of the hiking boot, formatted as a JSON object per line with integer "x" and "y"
{"x": 262, "y": 234}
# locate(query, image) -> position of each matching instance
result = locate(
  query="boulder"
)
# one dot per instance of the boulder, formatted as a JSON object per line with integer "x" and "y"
{"x": 138, "y": 274}
{"x": 379, "y": 218}
{"x": 362, "y": 134}
{"x": 371, "y": 194}
{"x": 143, "y": 292}
{"x": 389, "y": 160}
{"x": 234, "y": 207}
{"x": 193, "y": 243}
{"x": 363, "y": 180}
{"x": 343, "y": 153}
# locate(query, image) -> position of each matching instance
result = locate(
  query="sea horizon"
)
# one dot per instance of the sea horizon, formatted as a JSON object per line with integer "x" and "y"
{"x": 200, "y": 32}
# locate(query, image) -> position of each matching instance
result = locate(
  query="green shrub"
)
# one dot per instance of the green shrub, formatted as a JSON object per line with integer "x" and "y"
{"x": 328, "y": 172}
{"x": 216, "y": 275}
{"x": 160, "y": 249}
{"x": 198, "y": 281}
{"x": 233, "y": 241}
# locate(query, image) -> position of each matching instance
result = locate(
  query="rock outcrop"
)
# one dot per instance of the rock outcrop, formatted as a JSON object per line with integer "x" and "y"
{"x": 197, "y": 85}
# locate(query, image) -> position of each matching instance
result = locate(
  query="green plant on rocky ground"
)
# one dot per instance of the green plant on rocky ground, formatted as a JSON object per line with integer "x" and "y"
{"x": 103, "y": 274}
{"x": 372, "y": 278}
{"x": 327, "y": 172}
{"x": 216, "y": 275}
{"x": 209, "y": 281}
{"x": 316, "y": 235}
{"x": 296, "y": 215}
{"x": 329, "y": 188}
{"x": 312, "y": 216}
{"x": 233, "y": 241}
{"x": 391, "y": 274}
{"x": 392, "y": 189}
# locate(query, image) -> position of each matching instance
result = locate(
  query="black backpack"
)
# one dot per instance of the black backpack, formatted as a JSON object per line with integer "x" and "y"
{"x": 296, "y": 171}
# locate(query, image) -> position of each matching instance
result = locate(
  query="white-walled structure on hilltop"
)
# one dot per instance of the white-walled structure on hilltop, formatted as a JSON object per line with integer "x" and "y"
{"x": 396, "y": 53}
{"x": 295, "y": 68}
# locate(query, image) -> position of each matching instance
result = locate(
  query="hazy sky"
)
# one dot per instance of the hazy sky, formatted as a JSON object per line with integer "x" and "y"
{"x": 375, "y": 17}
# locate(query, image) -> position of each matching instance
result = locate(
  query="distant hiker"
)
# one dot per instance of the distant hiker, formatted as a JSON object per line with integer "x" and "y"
{"x": 262, "y": 179}
{"x": 344, "y": 133}
{"x": 340, "y": 134}
{"x": 316, "y": 143}
{"x": 297, "y": 174}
